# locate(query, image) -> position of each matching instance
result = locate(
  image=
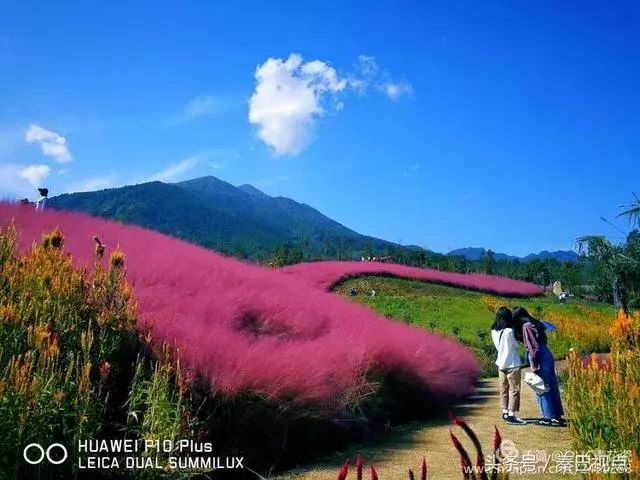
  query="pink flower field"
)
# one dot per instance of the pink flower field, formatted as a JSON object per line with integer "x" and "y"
{"x": 250, "y": 329}
{"x": 325, "y": 275}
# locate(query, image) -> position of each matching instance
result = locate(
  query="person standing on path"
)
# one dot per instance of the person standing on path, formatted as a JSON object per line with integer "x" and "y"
{"x": 41, "y": 202}
{"x": 533, "y": 333}
{"x": 508, "y": 363}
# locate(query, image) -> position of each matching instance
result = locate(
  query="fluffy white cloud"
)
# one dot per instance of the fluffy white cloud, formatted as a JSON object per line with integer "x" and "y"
{"x": 34, "y": 174}
{"x": 290, "y": 96}
{"x": 18, "y": 181}
{"x": 52, "y": 144}
{"x": 172, "y": 172}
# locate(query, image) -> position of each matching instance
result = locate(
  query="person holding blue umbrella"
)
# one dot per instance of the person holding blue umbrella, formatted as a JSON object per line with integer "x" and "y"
{"x": 533, "y": 333}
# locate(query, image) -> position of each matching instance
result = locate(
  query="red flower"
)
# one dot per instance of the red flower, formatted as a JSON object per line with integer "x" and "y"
{"x": 497, "y": 439}
{"x": 374, "y": 474}
{"x": 342, "y": 474}
{"x": 104, "y": 368}
{"x": 359, "y": 467}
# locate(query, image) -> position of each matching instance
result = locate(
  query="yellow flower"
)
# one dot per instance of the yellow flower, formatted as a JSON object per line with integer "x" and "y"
{"x": 58, "y": 395}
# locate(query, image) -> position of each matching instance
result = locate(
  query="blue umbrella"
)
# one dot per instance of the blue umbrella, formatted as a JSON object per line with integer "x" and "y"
{"x": 550, "y": 326}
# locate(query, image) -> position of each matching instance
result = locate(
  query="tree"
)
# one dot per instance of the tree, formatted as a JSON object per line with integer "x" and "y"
{"x": 538, "y": 271}
{"x": 617, "y": 263}
{"x": 489, "y": 262}
{"x": 569, "y": 275}
{"x": 632, "y": 211}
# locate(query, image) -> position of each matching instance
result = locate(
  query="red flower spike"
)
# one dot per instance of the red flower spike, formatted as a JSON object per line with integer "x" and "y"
{"x": 465, "y": 461}
{"x": 497, "y": 439}
{"x": 476, "y": 443}
{"x": 342, "y": 474}
{"x": 455, "y": 419}
{"x": 374, "y": 474}
{"x": 423, "y": 470}
{"x": 359, "y": 467}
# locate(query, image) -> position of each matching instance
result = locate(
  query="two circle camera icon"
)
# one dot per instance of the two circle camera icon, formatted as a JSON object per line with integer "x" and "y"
{"x": 42, "y": 453}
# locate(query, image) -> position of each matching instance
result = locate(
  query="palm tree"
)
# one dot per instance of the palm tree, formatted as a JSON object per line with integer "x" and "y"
{"x": 619, "y": 262}
{"x": 632, "y": 211}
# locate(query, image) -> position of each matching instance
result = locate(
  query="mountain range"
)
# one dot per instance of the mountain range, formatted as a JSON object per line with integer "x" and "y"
{"x": 241, "y": 220}
{"x": 476, "y": 253}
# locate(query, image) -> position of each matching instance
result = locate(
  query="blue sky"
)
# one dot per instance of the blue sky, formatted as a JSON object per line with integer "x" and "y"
{"x": 508, "y": 124}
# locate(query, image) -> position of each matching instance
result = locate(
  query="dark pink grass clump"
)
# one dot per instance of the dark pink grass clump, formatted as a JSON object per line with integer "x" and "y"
{"x": 327, "y": 274}
{"x": 250, "y": 329}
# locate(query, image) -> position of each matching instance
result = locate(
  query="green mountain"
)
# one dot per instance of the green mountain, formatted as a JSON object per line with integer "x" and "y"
{"x": 238, "y": 220}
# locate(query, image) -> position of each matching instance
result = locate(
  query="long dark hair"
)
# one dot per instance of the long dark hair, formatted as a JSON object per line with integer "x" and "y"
{"x": 503, "y": 320}
{"x": 520, "y": 317}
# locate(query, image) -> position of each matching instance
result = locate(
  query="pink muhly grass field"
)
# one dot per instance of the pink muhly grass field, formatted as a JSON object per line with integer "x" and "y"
{"x": 250, "y": 329}
{"x": 327, "y": 274}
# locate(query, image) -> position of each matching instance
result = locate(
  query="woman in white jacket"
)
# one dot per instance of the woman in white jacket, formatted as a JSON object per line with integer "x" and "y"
{"x": 508, "y": 362}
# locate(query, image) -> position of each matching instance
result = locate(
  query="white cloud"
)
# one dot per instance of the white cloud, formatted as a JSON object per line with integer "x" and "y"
{"x": 396, "y": 90}
{"x": 52, "y": 144}
{"x": 21, "y": 180}
{"x": 173, "y": 172}
{"x": 291, "y": 95}
{"x": 369, "y": 74}
{"x": 289, "y": 98}
{"x": 367, "y": 66}
{"x": 366, "y": 70}
{"x": 34, "y": 174}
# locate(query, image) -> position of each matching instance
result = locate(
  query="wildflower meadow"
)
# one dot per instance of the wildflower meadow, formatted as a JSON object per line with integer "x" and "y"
{"x": 603, "y": 394}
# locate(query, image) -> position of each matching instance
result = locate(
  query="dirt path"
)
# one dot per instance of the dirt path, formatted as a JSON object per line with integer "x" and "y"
{"x": 404, "y": 448}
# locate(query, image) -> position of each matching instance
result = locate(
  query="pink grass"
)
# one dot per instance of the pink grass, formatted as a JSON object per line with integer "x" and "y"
{"x": 251, "y": 329}
{"x": 326, "y": 274}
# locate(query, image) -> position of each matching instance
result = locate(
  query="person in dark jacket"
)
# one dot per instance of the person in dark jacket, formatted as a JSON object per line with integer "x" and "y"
{"x": 532, "y": 333}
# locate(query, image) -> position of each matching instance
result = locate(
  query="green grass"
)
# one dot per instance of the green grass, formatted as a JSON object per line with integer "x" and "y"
{"x": 464, "y": 315}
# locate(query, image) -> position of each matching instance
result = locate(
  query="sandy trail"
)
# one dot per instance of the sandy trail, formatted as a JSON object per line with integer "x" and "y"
{"x": 404, "y": 448}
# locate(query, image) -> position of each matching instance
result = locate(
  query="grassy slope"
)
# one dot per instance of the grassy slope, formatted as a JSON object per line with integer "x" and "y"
{"x": 462, "y": 313}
